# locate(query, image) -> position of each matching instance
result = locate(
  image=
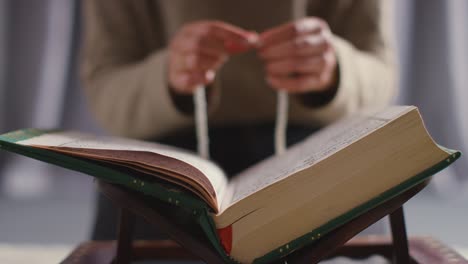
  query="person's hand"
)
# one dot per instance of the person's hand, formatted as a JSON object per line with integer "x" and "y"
{"x": 199, "y": 49}
{"x": 299, "y": 57}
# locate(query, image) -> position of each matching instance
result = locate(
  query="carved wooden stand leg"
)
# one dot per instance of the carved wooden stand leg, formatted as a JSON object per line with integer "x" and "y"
{"x": 399, "y": 237}
{"x": 124, "y": 242}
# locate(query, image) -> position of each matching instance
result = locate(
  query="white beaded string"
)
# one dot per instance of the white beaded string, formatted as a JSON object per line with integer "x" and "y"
{"x": 201, "y": 122}
{"x": 281, "y": 122}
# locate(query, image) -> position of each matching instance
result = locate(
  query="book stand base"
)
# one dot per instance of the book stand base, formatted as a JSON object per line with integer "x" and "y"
{"x": 189, "y": 244}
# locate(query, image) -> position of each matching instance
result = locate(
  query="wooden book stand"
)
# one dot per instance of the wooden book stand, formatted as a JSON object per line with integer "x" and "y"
{"x": 192, "y": 245}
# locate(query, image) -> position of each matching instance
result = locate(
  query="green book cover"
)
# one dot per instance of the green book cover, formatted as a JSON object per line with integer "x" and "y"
{"x": 163, "y": 191}
{"x": 192, "y": 204}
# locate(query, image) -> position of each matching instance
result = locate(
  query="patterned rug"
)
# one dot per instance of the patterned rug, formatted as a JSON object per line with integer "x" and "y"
{"x": 19, "y": 254}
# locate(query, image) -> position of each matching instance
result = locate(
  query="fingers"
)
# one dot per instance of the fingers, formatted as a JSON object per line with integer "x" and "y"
{"x": 299, "y": 56}
{"x": 186, "y": 82}
{"x": 310, "y": 45}
{"x": 234, "y": 39}
{"x": 224, "y": 36}
{"x": 187, "y": 71}
{"x": 303, "y": 75}
{"x": 199, "y": 49}
{"x": 197, "y": 44}
{"x": 290, "y": 31}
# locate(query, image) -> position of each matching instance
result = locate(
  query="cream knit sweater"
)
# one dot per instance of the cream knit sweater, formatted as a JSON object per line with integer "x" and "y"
{"x": 124, "y": 61}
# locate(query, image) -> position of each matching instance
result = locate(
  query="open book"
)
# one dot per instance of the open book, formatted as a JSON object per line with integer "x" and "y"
{"x": 277, "y": 205}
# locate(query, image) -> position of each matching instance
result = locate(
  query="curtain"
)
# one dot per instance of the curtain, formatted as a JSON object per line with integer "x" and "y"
{"x": 458, "y": 55}
{"x": 3, "y": 48}
{"x": 432, "y": 40}
{"x": 39, "y": 88}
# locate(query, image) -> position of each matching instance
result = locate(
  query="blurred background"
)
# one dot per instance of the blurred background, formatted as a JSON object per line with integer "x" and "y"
{"x": 44, "y": 207}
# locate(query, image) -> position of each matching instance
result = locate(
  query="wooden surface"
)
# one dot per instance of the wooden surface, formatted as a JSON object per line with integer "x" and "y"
{"x": 424, "y": 250}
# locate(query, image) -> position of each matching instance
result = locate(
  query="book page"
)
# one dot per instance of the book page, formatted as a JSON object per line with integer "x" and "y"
{"x": 310, "y": 151}
{"x": 86, "y": 141}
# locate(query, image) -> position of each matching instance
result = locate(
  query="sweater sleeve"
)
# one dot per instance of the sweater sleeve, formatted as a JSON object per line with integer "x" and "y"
{"x": 362, "y": 41}
{"x": 123, "y": 69}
